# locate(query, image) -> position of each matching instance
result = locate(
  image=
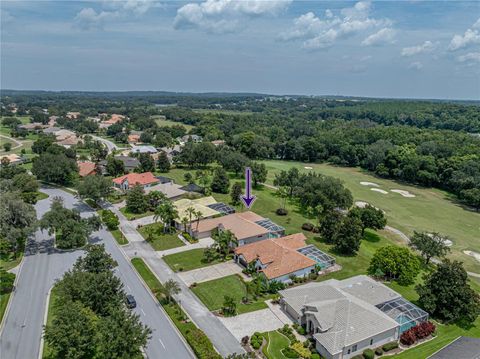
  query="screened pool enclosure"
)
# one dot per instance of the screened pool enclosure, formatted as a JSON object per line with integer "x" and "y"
{"x": 405, "y": 313}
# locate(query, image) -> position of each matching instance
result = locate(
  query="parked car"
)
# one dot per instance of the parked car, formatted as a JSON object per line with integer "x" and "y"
{"x": 130, "y": 300}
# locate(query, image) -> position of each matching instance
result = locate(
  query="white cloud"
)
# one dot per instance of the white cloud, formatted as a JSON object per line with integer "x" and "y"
{"x": 88, "y": 18}
{"x": 320, "y": 33}
{"x": 381, "y": 37}
{"x": 220, "y": 16}
{"x": 470, "y": 37}
{"x": 471, "y": 57}
{"x": 426, "y": 47}
{"x": 415, "y": 65}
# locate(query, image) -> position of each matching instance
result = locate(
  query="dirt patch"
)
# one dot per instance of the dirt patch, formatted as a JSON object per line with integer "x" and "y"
{"x": 473, "y": 254}
{"x": 372, "y": 184}
{"x": 403, "y": 193}
{"x": 382, "y": 191}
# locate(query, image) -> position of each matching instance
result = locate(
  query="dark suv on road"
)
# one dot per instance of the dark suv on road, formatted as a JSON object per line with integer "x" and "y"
{"x": 130, "y": 300}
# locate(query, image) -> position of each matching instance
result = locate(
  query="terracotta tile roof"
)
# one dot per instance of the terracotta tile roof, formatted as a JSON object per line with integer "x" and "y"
{"x": 240, "y": 224}
{"x": 137, "y": 178}
{"x": 279, "y": 255}
{"x": 12, "y": 158}
{"x": 133, "y": 138}
{"x": 86, "y": 168}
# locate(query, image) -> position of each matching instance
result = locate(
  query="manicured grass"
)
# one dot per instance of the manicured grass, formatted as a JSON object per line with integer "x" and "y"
{"x": 41, "y": 195}
{"x": 7, "y": 261}
{"x": 276, "y": 342}
{"x": 188, "y": 260}
{"x": 4, "y": 298}
{"x": 47, "y": 351}
{"x": 119, "y": 237}
{"x": 131, "y": 216}
{"x": 212, "y": 294}
{"x": 153, "y": 233}
{"x": 198, "y": 341}
{"x": 162, "y": 122}
{"x": 430, "y": 210}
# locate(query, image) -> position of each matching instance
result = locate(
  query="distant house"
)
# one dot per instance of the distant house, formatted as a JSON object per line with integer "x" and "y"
{"x": 33, "y": 127}
{"x": 86, "y": 168}
{"x": 277, "y": 258}
{"x": 146, "y": 179}
{"x": 115, "y": 118}
{"x": 163, "y": 179}
{"x": 218, "y": 142}
{"x": 133, "y": 139}
{"x": 348, "y": 316}
{"x": 143, "y": 149}
{"x": 245, "y": 226}
{"x": 171, "y": 190}
{"x": 184, "y": 139}
{"x": 13, "y": 159}
{"x": 52, "y": 120}
{"x": 51, "y": 130}
{"x": 192, "y": 187}
{"x": 72, "y": 115}
{"x": 171, "y": 152}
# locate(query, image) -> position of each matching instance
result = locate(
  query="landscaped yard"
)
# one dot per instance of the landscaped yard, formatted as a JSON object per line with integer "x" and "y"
{"x": 188, "y": 260}
{"x": 47, "y": 351}
{"x": 212, "y": 294}
{"x": 276, "y": 342}
{"x": 131, "y": 216}
{"x": 153, "y": 233}
{"x": 7, "y": 261}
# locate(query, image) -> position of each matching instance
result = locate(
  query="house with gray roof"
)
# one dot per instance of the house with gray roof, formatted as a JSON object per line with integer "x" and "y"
{"x": 346, "y": 317}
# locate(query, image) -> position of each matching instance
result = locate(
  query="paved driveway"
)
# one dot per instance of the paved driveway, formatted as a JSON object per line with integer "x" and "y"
{"x": 209, "y": 273}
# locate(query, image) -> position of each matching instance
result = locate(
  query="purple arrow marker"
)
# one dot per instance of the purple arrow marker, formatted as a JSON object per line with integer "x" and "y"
{"x": 248, "y": 198}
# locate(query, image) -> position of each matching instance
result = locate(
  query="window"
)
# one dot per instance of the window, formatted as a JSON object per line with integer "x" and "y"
{"x": 348, "y": 352}
{"x": 371, "y": 341}
{"x": 354, "y": 348}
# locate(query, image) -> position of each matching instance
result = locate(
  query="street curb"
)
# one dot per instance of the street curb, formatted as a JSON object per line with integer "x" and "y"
{"x": 45, "y": 316}
{"x": 157, "y": 301}
{"x": 7, "y": 309}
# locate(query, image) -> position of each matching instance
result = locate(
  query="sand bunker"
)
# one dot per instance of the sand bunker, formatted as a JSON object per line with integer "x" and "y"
{"x": 308, "y": 168}
{"x": 445, "y": 241}
{"x": 378, "y": 190}
{"x": 403, "y": 193}
{"x": 370, "y": 184}
{"x": 473, "y": 254}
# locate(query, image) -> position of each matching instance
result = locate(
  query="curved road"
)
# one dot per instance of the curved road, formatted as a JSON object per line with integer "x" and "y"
{"x": 22, "y": 330}
{"x": 18, "y": 143}
{"x": 110, "y": 145}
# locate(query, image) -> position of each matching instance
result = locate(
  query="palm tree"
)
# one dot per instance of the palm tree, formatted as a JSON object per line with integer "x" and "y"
{"x": 166, "y": 212}
{"x": 171, "y": 288}
{"x": 283, "y": 194}
{"x": 198, "y": 216}
{"x": 191, "y": 212}
{"x": 229, "y": 306}
{"x": 223, "y": 241}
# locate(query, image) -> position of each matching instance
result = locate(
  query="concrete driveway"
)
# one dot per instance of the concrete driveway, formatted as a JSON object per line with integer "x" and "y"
{"x": 209, "y": 273}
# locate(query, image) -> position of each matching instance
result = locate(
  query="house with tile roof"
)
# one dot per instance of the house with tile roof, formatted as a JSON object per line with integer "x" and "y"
{"x": 86, "y": 168}
{"x": 348, "y": 316}
{"x": 199, "y": 205}
{"x": 244, "y": 226}
{"x": 11, "y": 159}
{"x": 126, "y": 182}
{"x": 277, "y": 258}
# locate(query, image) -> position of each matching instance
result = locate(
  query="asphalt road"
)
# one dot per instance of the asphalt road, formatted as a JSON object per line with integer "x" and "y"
{"x": 110, "y": 145}
{"x": 21, "y": 334}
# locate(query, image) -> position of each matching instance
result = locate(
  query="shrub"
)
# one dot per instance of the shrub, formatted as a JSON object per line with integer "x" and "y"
{"x": 290, "y": 353}
{"x": 379, "y": 351}
{"x": 6, "y": 281}
{"x": 301, "y": 350}
{"x": 389, "y": 346}
{"x": 368, "y": 354}
{"x": 307, "y": 227}
{"x": 315, "y": 356}
{"x": 316, "y": 229}
{"x": 281, "y": 212}
{"x": 359, "y": 356}
{"x": 408, "y": 337}
{"x": 110, "y": 219}
{"x": 245, "y": 340}
{"x": 255, "y": 345}
{"x": 301, "y": 330}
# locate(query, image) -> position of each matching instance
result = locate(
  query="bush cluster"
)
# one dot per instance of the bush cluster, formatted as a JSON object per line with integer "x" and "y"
{"x": 301, "y": 350}
{"x": 290, "y": 353}
{"x": 389, "y": 346}
{"x": 281, "y": 212}
{"x": 417, "y": 332}
{"x": 110, "y": 219}
{"x": 288, "y": 332}
{"x": 256, "y": 340}
{"x": 368, "y": 354}
{"x": 307, "y": 227}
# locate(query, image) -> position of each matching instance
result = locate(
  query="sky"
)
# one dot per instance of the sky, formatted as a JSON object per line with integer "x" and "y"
{"x": 404, "y": 49}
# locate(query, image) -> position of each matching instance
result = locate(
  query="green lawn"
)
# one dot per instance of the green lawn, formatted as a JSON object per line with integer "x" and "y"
{"x": 47, "y": 351}
{"x": 7, "y": 261}
{"x": 41, "y": 195}
{"x": 160, "y": 241}
{"x": 212, "y": 294}
{"x": 119, "y": 237}
{"x": 162, "y": 122}
{"x": 131, "y": 216}
{"x": 276, "y": 342}
{"x": 4, "y": 298}
{"x": 430, "y": 210}
{"x": 188, "y": 260}
{"x": 198, "y": 341}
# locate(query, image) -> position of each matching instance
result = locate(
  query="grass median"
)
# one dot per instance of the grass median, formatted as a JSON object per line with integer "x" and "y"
{"x": 198, "y": 341}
